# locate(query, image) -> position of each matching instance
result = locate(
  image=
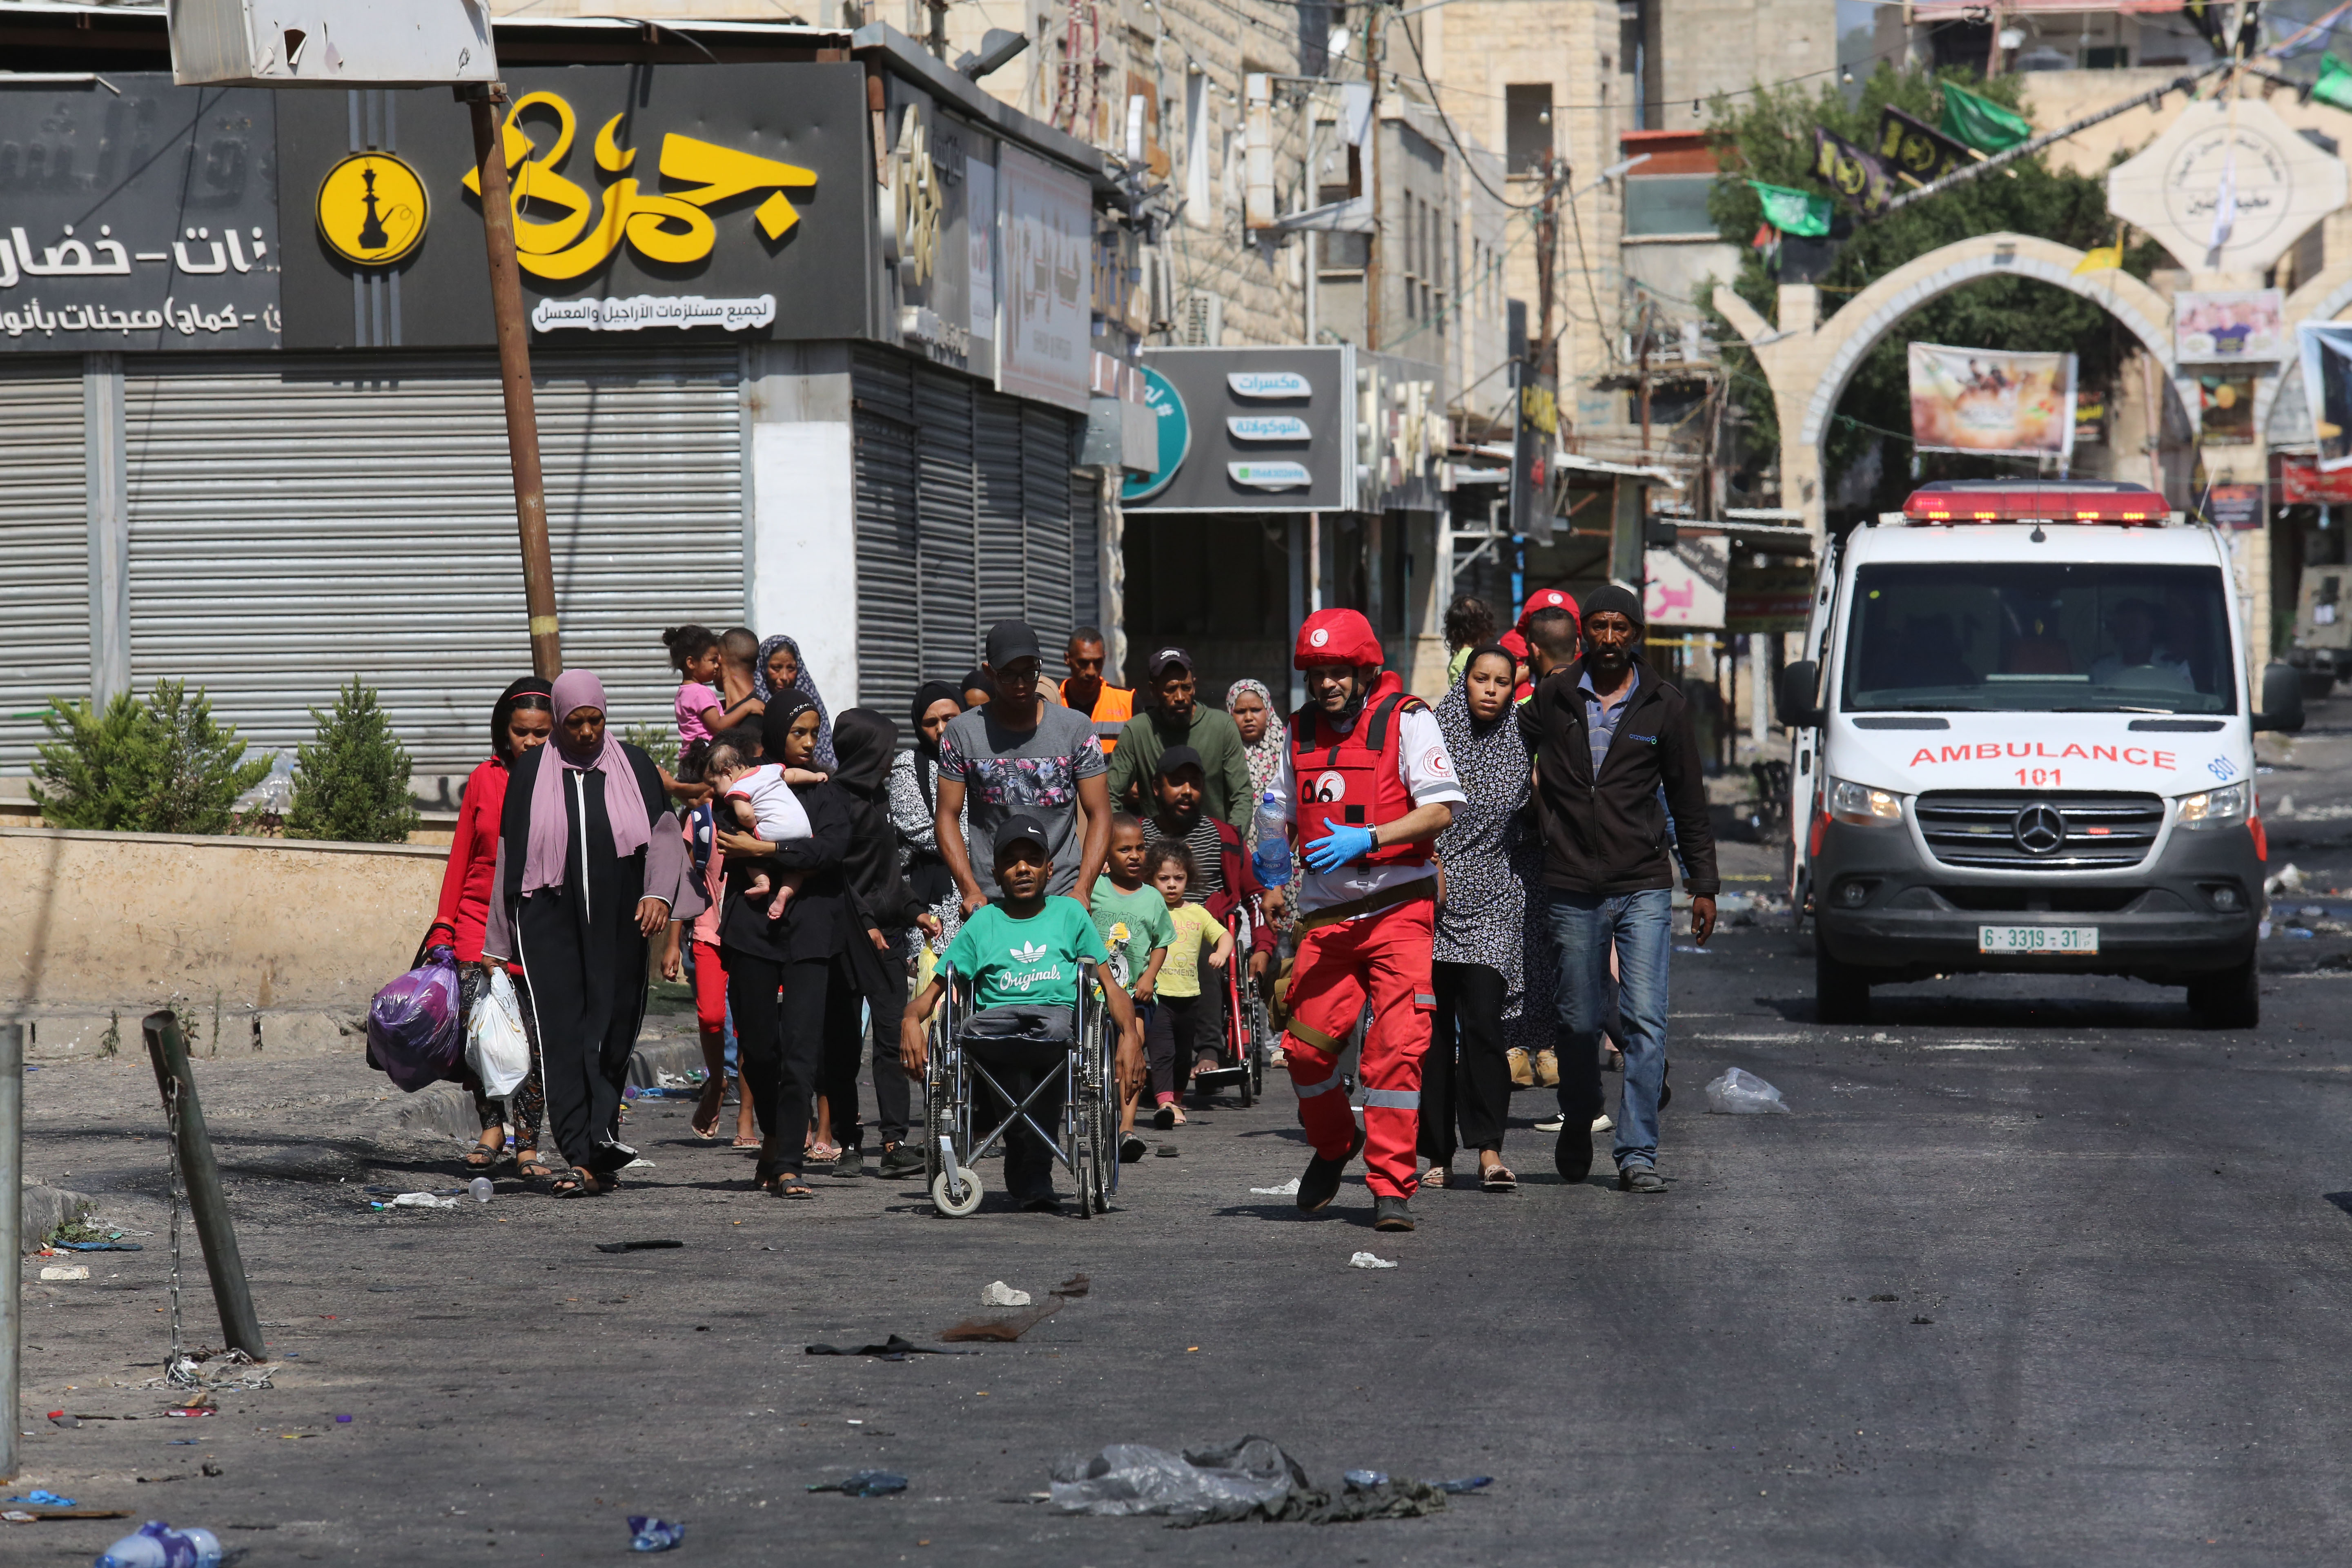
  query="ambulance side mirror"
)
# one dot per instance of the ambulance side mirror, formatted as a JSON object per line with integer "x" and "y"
{"x": 1798, "y": 709}
{"x": 2282, "y": 698}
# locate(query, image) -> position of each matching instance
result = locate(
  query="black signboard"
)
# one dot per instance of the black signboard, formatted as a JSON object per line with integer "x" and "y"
{"x": 1272, "y": 429}
{"x": 718, "y": 201}
{"x": 137, "y": 216}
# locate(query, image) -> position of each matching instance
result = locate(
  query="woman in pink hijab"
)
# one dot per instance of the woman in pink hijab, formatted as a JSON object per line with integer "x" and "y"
{"x": 591, "y": 867}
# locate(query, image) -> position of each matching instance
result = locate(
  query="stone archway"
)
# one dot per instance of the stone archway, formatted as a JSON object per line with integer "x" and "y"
{"x": 1809, "y": 361}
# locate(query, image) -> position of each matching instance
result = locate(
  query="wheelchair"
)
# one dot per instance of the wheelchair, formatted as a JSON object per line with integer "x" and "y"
{"x": 1084, "y": 1137}
{"x": 1248, "y": 1031}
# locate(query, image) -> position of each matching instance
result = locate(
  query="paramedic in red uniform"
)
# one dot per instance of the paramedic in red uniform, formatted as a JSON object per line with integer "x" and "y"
{"x": 1369, "y": 787}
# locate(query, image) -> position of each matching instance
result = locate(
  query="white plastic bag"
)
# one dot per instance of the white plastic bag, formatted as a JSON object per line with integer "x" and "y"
{"x": 496, "y": 1047}
{"x": 1739, "y": 1092}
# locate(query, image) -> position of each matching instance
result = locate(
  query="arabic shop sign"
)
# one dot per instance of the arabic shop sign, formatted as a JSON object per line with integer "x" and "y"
{"x": 137, "y": 221}
{"x": 729, "y": 200}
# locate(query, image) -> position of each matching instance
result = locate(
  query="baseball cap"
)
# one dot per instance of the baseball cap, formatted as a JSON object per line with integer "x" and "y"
{"x": 1167, "y": 658}
{"x": 1023, "y": 824}
{"x": 1009, "y": 640}
{"x": 1176, "y": 757}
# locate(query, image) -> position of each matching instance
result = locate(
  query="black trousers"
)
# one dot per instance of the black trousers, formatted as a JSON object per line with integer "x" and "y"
{"x": 587, "y": 997}
{"x": 878, "y": 979}
{"x": 1183, "y": 1028}
{"x": 1021, "y": 1047}
{"x": 779, "y": 1044}
{"x": 1465, "y": 1079}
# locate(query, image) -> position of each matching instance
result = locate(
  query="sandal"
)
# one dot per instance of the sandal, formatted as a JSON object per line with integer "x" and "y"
{"x": 788, "y": 1184}
{"x": 746, "y": 1143}
{"x": 573, "y": 1183}
{"x": 529, "y": 1167}
{"x": 1436, "y": 1176}
{"x": 483, "y": 1157}
{"x": 822, "y": 1154}
{"x": 1497, "y": 1179}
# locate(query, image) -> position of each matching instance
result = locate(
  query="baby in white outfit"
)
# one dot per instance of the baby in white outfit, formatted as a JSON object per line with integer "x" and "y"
{"x": 764, "y": 806}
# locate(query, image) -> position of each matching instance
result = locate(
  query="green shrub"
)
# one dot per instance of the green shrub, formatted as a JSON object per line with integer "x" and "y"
{"x": 352, "y": 784}
{"x": 656, "y": 742}
{"x": 158, "y": 766}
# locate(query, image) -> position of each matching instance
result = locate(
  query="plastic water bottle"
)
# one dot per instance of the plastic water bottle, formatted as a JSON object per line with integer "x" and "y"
{"x": 1271, "y": 859}
{"x": 480, "y": 1188}
{"x": 158, "y": 1545}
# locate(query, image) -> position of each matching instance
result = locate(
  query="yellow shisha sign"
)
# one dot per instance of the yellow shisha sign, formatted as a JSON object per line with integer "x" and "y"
{"x": 670, "y": 227}
{"x": 373, "y": 209}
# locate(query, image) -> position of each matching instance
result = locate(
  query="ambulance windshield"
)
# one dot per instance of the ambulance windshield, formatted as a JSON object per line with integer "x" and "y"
{"x": 2005, "y": 636}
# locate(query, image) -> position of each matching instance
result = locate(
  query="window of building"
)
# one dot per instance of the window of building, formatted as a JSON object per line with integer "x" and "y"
{"x": 1197, "y": 167}
{"x": 1668, "y": 203}
{"x": 1526, "y": 127}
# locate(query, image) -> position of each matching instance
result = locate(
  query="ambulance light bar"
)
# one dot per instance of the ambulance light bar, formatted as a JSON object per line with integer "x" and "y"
{"x": 1949, "y": 501}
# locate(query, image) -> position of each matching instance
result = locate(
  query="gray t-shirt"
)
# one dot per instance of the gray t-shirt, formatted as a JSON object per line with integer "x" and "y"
{"x": 1004, "y": 770}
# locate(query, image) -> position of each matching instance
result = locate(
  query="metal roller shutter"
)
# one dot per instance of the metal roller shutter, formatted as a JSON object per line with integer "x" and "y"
{"x": 44, "y": 528}
{"x": 1004, "y": 561}
{"x": 1047, "y": 449}
{"x": 889, "y": 608}
{"x": 296, "y": 521}
{"x": 951, "y": 564}
{"x": 1085, "y": 549}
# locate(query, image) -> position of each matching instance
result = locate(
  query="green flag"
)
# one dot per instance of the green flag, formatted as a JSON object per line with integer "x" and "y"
{"x": 2334, "y": 83}
{"x": 1983, "y": 123}
{"x": 1793, "y": 212}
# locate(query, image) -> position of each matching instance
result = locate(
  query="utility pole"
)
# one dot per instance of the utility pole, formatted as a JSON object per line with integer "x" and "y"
{"x": 1547, "y": 357}
{"x": 1375, "y": 49}
{"x": 1641, "y": 320}
{"x": 514, "y": 377}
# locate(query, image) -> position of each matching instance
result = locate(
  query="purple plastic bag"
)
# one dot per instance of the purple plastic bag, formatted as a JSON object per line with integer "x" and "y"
{"x": 412, "y": 1026}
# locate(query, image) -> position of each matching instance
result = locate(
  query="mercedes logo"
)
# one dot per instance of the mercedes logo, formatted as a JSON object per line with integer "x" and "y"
{"x": 2039, "y": 828}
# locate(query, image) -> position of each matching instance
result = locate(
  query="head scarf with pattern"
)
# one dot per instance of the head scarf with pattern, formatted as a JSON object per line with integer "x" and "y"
{"x": 803, "y": 683}
{"x": 1264, "y": 753}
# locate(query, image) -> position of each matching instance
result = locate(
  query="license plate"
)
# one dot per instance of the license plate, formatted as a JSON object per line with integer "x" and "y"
{"x": 2037, "y": 939}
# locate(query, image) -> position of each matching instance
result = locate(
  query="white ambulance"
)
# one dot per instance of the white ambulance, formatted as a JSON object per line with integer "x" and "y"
{"x": 2025, "y": 744}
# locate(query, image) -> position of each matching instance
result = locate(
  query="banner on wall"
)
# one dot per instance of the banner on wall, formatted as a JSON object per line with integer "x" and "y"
{"x": 2233, "y": 324}
{"x": 1992, "y": 401}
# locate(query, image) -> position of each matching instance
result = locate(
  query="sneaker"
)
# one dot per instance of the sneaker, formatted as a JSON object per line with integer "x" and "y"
{"x": 1321, "y": 1185}
{"x": 1639, "y": 1179}
{"x": 852, "y": 1164}
{"x": 1573, "y": 1155}
{"x": 1390, "y": 1213}
{"x": 1523, "y": 1072}
{"x": 1554, "y": 1125}
{"x": 1547, "y": 1070}
{"x": 1131, "y": 1149}
{"x": 903, "y": 1159}
{"x": 1603, "y": 1122}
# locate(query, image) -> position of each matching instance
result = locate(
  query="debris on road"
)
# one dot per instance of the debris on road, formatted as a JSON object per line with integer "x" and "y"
{"x": 41, "y": 1496}
{"x": 1367, "y": 1260}
{"x": 158, "y": 1545}
{"x": 649, "y": 1534}
{"x": 998, "y": 1294}
{"x": 1249, "y": 1479}
{"x": 892, "y": 1349}
{"x": 416, "y": 1201}
{"x": 1365, "y": 1479}
{"x": 1289, "y": 1189}
{"x": 1739, "y": 1092}
{"x": 637, "y": 1245}
{"x": 66, "y": 1271}
{"x": 1013, "y": 1325}
{"x": 1466, "y": 1484}
{"x": 865, "y": 1483}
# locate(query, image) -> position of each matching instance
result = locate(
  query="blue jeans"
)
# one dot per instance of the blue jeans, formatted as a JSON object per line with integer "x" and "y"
{"x": 1641, "y": 925}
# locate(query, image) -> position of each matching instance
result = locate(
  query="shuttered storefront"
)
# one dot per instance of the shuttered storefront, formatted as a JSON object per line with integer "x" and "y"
{"x": 44, "y": 586}
{"x": 965, "y": 517}
{"x": 295, "y": 522}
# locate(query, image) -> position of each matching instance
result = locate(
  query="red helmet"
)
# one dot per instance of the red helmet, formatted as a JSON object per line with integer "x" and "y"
{"x": 1336, "y": 636}
{"x": 1549, "y": 599}
{"x": 1516, "y": 644}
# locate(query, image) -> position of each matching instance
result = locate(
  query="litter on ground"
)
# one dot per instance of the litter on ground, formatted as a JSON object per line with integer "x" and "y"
{"x": 1367, "y": 1260}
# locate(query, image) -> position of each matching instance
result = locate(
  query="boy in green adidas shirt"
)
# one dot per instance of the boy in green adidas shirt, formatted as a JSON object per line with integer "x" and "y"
{"x": 1025, "y": 954}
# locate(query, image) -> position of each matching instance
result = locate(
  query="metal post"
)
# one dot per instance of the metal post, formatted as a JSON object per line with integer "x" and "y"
{"x": 514, "y": 377}
{"x": 12, "y": 1239}
{"x": 169, "y": 1054}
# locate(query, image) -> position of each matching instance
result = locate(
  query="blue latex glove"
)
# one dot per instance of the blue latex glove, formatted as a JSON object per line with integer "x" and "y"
{"x": 1342, "y": 845}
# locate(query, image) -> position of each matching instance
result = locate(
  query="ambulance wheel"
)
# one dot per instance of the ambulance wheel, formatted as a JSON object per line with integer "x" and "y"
{"x": 2231, "y": 999}
{"x": 1841, "y": 990}
{"x": 948, "y": 1199}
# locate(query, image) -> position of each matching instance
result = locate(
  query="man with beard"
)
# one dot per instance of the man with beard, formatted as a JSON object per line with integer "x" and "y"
{"x": 1610, "y": 735}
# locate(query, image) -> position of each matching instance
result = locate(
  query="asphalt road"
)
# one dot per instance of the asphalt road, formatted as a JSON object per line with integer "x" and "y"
{"x": 2035, "y": 1272}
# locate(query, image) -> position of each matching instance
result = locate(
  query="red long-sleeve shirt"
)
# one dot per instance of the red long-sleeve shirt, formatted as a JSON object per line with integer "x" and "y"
{"x": 473, "y": 860}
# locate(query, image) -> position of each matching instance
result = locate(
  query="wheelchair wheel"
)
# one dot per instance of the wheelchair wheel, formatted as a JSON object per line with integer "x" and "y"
{"x": 952, "y": 1202}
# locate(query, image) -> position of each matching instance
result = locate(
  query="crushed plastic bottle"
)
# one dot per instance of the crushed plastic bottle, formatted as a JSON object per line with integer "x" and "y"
{"x": 1365, "y": 1480}
{"x": 480, "y": 1188}
{"x": 158, "y": 1545}
{"x": 1271, "y": 859}
{"x": 647, "y": 1533}
{"x": 1739, "y": 1092}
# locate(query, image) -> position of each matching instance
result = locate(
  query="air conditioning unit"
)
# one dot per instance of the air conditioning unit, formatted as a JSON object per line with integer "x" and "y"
{"x": 1200, "y": 321}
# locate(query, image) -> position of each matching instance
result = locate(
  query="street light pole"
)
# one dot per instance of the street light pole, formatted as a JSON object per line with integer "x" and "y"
{"x": 514, "y": 377}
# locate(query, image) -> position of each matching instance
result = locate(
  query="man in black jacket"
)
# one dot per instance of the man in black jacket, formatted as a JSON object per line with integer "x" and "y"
{"x": 1611, "y": 739}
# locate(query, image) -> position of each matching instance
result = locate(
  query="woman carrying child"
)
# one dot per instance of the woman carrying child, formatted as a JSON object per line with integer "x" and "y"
{"x": 590, "y": 866}
{"x": 780, "y": 970}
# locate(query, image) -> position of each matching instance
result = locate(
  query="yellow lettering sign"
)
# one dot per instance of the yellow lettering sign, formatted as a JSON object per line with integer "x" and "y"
{"x": 1540, "y": 408}
{"x": 563, "y": 233}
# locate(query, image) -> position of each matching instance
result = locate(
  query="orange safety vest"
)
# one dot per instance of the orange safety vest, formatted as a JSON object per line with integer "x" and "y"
{"x": 1114, "y": 706}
